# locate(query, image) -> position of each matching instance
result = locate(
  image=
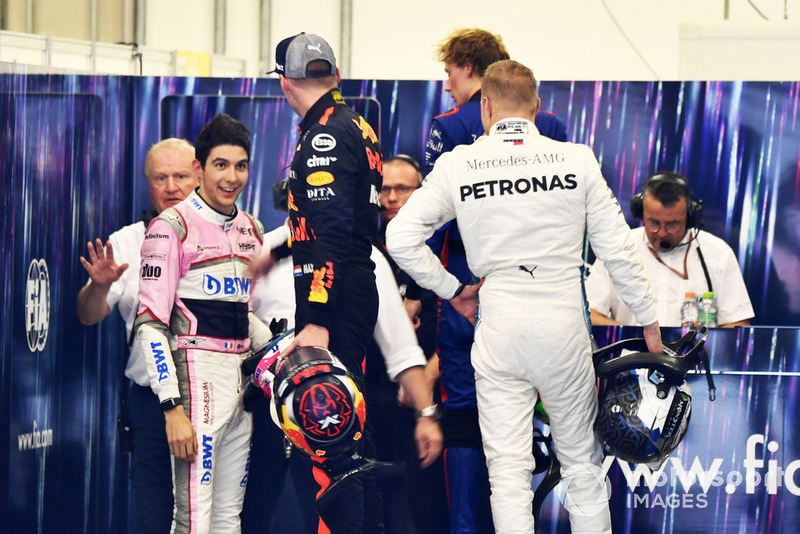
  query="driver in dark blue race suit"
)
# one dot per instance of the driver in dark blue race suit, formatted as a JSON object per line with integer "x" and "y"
{"x": 462, "y": 126}
{"x": 334, "y": 185}
{"x": 466, "y": 55}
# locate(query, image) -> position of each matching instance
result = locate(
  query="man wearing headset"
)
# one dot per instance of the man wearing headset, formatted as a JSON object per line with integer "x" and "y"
{"x": 678, "y": 257}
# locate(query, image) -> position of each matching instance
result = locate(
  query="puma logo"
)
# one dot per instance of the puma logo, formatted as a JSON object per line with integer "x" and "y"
{"x": 529, "y": 271}
{"x": 317, "y": 48}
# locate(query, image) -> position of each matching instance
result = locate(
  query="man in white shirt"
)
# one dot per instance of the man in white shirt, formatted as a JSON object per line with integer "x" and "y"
{"x": 678, "y": 258}
{"x": 114, "y": 281}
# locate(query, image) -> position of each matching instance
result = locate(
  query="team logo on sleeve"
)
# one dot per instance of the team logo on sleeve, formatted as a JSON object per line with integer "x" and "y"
{"x": 323, "y": 142}
{"x": 435, "y": 146}
{"x": 162, "y": 368}
{"x": 435, "y": 143}
{"x": 375, "y": 161}
{"x": 318, "y": 292}
{"x": 366, "y": 129}
{"x": 301, "y": 230}
{"x": 374, "y": 196}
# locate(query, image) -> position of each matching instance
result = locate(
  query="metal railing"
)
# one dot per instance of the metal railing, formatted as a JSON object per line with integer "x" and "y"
{"x": 56, "y": 54}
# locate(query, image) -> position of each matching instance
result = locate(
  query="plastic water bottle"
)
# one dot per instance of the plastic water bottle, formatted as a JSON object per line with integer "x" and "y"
{"x": 708, "y": 311}
{"x": 689, "y": 313}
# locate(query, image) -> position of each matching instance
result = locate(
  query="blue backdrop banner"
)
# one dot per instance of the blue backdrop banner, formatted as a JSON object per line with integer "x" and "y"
{"x": 72, "y": 156}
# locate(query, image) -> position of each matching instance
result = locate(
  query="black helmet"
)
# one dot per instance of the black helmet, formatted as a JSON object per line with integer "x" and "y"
{"x": 644, "y": 401}
{"x": 320, "y": 408}
{"x": 634, "y": 424}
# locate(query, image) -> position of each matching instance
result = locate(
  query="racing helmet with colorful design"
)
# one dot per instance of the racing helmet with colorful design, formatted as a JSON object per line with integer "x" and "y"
{"x": 319, "y": 406}
{"x": 644, "y": 401}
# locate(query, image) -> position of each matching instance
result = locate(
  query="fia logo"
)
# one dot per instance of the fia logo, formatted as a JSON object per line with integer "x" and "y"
{"x": 37, "y": 305}
{"x": 516, "y": 127}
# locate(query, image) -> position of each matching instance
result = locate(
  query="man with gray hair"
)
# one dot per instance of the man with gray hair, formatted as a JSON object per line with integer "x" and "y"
{"x": 114, "y": 280}
{"x": 523, "y": 203}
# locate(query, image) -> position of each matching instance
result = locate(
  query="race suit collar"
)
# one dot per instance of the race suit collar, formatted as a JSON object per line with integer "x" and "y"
{"x": 318, "y": 110}
{"x": 475, "y": 97}
{"x": 513, "y": 126}
{"x": 196, "y": 203}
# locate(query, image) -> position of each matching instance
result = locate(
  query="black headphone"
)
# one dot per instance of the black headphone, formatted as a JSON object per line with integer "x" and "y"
{"x": 408, "y": 159}
{"x": 694, "y": 208}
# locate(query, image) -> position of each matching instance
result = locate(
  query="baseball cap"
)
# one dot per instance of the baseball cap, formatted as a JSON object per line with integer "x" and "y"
{"x": 293, "y": 54}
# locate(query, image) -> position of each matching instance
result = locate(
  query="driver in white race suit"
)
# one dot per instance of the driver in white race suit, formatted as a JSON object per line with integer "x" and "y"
{"x": 523, "y": 203}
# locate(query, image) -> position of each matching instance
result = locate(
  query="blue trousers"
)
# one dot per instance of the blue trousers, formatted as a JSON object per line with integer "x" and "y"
{"x": 151, "y": 468}
{"x": 468, "y": 485}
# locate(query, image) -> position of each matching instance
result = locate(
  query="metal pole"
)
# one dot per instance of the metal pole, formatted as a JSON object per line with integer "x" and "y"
{"x": 140, "y": 22}
{"x": 727, "y": 9}
{"x": 93, "y": 20}
{"x": 219, "y": 26}
{"x": 346, "y": 38}
{"x": 29, "y": 16}
{"x": 265, "y": 40}
{"x": 127, "y": 21}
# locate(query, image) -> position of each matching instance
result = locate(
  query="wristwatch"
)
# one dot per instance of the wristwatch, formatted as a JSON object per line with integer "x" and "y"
{"x": 169, "y": 404}
{"x": 461, "y": 287}
{"x": 433, "y": 411}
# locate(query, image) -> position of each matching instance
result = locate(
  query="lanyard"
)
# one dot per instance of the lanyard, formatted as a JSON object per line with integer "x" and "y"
{"x": 685, "y": 274}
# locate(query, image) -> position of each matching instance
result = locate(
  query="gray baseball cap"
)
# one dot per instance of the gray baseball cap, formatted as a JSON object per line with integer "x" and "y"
{"x": 293, "y": 54}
